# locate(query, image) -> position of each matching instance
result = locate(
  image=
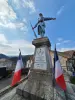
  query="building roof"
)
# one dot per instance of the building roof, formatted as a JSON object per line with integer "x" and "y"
{"x": 69, "y": 53}
{"x": 66, "y": 54}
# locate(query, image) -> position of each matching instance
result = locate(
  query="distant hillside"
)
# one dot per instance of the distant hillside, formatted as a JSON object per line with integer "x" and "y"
{"x": 3, "y": 56}
{"x": 15, "y": 58}
{"x": 24, "y": 58}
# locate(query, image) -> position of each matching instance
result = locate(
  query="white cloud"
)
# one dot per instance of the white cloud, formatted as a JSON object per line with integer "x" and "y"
{"x": 60, "y": 10}
{"x": 17, "y": 3}
{"x": 59, "y": 39}
{"x": 58, "y": 43}
{"x": 25, "y": 21}
{"x": 29, "y": 4}
{"x": 7, "y": 15}
{"x": 8, "y": 20}
{"x": 4, "y": 46}
{"x": 24, "y": 29}
{"x": 15, "y": 25}
{"x": 62, "y": 41}
{"x": 66, "y": 49}
{"x": 66, "y": 41}
{"x": 6, "y": 12}
{"x": 21, "y": 44}
{"x": 13, "y": 47}
{"x": 3, "y": 38}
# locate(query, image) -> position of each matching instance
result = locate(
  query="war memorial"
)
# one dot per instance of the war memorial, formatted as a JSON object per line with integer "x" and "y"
{"x": 39, "y": 85}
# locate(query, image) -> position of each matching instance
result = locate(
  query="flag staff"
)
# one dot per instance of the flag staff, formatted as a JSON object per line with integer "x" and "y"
{"x": 33, "y": 30}
{"x": 59, "y": 77}
{"x": 53, "y": 78}
{"x": 17, "y": 72}
{"x": 65, "y": 95}
{"x": 19, "y": 50}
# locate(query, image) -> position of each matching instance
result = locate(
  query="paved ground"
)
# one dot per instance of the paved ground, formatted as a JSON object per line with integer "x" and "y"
{"x": 11, "y": 95}
{"x": 5, "y": 82}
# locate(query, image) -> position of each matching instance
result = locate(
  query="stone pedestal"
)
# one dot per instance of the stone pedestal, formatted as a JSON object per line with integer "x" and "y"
{"x": 39, "y": 83}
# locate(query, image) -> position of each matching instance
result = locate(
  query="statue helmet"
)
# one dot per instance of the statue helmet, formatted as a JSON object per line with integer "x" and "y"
{"x": 40, "y": 14}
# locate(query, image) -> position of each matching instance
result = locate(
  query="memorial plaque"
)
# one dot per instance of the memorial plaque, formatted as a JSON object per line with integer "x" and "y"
{"x": 40, "y": 59}
{"x": 40, "y": 66}
{"x": 40, "y": 55}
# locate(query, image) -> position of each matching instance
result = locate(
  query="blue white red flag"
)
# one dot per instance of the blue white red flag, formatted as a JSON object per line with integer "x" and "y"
{"x": 17, "y": 73}
{"x": 58, "y": 72}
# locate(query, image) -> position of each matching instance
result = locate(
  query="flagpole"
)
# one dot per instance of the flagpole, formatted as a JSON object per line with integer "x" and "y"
{"x": 53, "y": 83}
{"x": 33, "y": 30}
{"x": 65, "y": 95}
{"x": 59, "y": 77}
{"x": 53, "y": 80}
{"x": 19, "y": 50}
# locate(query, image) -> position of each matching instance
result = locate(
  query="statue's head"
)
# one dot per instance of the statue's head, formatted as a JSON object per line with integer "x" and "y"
{"x": 40, "y": 14}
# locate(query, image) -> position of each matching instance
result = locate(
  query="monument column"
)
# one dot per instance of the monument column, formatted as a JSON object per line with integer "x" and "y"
{"x": 42, "y": 54}
{"x": 39, "y": 83}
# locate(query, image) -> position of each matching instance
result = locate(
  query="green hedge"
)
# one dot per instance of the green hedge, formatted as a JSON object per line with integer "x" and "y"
{"x": 72, "y": 79}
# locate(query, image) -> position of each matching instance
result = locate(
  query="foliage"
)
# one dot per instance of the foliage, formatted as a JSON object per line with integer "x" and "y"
{"x": 72, "y": 79}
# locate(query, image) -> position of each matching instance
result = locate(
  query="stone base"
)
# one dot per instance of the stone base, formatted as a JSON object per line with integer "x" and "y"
{"x": 38, "y": 87}
{"x": 28, "y": 96}
{"x": 41, "y": 41}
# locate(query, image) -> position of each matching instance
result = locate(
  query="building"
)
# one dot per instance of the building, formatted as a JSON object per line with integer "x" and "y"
{"x": 6, "y": 63}
{"x": 71, "y": 61}
{"x": 28, "y": 63}
{"x": 67, "y": 59}
{"x": 62, "y": 58}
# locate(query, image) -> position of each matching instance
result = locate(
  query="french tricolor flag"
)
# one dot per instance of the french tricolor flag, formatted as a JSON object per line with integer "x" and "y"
{"x": 17, "y": 73}
{"x": 20, "y": 57}
{"x": 58, "y": 72}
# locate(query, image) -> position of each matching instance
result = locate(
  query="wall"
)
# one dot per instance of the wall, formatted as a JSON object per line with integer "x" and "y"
{"x": 62, "y": 60}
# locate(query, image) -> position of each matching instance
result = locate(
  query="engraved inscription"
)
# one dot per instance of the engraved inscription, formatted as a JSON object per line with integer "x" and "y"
{"x": 40, "y": 59}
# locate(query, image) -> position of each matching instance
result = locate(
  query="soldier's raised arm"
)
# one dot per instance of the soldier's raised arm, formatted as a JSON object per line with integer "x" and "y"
{"x": 46, "y": 19}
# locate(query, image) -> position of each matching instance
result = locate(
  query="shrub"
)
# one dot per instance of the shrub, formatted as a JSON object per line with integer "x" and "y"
{"x": 72, "y": 79}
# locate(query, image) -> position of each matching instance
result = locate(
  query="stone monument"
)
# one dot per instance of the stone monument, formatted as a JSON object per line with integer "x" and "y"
{"x": 39, "y": 83}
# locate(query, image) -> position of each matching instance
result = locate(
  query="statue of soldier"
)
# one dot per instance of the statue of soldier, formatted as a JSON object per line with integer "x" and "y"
{"x": 41, "y": 24}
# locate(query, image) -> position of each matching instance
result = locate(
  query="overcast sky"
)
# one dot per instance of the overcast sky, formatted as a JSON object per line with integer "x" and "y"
{"x": 16, "y": 32}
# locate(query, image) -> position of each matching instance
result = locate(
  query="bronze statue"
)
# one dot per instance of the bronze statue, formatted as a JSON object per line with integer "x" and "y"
{"x": 41, "y": 24}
